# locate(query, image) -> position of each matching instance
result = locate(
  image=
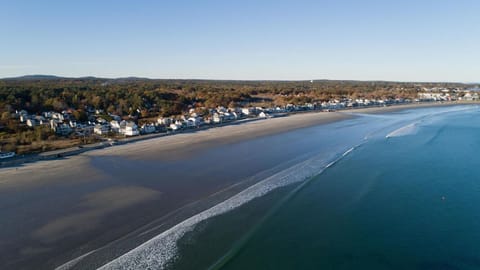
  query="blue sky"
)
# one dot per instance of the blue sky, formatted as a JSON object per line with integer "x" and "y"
{"x": 285, "y": 40}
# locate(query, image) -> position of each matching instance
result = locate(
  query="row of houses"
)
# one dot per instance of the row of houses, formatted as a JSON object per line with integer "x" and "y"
{"x": 63, "y": 123}
{"x": 126, "y": 128}
{"x": 447, "y": 96}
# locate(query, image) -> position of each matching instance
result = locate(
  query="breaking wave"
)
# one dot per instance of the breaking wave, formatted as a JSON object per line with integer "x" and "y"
{"x": 409, "y": 129}
{"x": 160, "y": 250}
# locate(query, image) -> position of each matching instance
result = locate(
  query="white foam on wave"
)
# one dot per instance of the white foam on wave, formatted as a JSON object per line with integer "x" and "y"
{"x": 427, "y": 118}
{"x": 348, "y": 151}
{"x": 158, "y": 251}
{"x": 74, "y": 262}
{"x": 409, "y": 129}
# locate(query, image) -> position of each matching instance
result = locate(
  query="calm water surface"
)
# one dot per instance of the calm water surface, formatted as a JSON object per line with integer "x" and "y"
{"x": 409, "y": 201}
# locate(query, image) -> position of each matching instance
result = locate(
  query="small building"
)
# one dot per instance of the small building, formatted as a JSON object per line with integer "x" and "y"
{"x": 32, "y": 123}
{"x": 24, "y": 118}
{"x": 148, "y": 128}
{"x": 174, "y": 127}
{"x": 248, "y": 111}
{"x": 218, "y": 118}
{"x": 164, "y": 121}
{"x": 194, "y": 121}
{"x": 58, "y": 116}
{"x": 101, "y": 129}
{"x": 228, "y": 116}
{"x": 115, "y": 126}
{"x": 263, "y": 115}
{"x": 129, "y": 129}
{"x": 62, "y": 129}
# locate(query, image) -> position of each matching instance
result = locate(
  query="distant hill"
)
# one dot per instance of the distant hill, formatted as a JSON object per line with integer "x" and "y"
{"x": 34, "y": 77}
{"x": 41, "y": 77}
{"x": 127, "y": 80}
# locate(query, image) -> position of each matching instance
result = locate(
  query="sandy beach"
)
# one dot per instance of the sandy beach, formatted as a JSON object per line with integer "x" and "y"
{"x": 115, "y": 198}
{"x": 56, "y": 210}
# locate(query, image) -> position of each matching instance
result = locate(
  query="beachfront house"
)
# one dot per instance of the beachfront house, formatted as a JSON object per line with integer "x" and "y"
{"x": 84, "y": 130}
{"x": 174, "y": 127}
{"x": 164, "y": 121}
{"x": 237, "y": 115}
{"x": 263, "y": 115}
{"x": 129, "y": 128}
{"x": 57, "y": 116}
{"x": 148, "y": 128}
{"x": 101, "y": 129}
{"x": 101, "y": 121}
{"x": 470, "y": 97}
{"x": 24, "y": 118}
{"x": 194, "y": 121}
{"x": 228, "y": 116}
{"x": 60, "y": 128}
{"x": 218, "y": 118}
{"x": 32, "y": 123}
{"x": 115, "y": 126}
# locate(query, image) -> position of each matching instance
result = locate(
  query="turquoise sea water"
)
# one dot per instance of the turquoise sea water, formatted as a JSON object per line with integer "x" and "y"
{"x": 394, "y": 191}
{"x": 406, "y": 202}
{"x": 410, "y": 201}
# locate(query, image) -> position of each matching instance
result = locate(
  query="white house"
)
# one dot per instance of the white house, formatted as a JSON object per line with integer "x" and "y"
{"x": 263, "y": 115}
{"x": 101, "y": 129}
{"x": 58, "y": 116}
{"x": 100, "y": 120}
{"x": 24, "y": 118}
{"x": 248, "y": 111}
{"x": 194, "y": 121}
{"x": 228, "y": 116}
{"x": 115, "y": 126}
{"x": 32, "y": 122}
{"x": 218, "y": 118}
{"x": 237, "y": 115}
{"x": 164, "y": 121}
{"x": 221, "y": 109}
{"x": 130, "y": 129}
{"x": 174, "y": 127}
{"x": 179, "y": 123}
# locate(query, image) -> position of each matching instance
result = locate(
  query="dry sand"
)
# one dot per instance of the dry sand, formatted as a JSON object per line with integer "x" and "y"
{"x": 184, "y": 144}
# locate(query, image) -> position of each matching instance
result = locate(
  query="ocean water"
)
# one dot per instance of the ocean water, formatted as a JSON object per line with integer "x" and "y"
{"x": 409, "y": 201}
{"x": 393, "y": 191}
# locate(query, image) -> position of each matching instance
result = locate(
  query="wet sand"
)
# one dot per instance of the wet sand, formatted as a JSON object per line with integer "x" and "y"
{"x": 54, "y": 211}
{"x": 111, "y": 200}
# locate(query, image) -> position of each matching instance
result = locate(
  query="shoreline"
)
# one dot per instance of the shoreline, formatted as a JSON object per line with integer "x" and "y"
{"x": 88, "y": 188}
{"x": 302, "y": 119}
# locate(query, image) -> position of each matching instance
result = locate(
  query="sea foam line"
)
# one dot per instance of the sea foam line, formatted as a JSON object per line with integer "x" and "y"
{"x": 409, "y": 129}
{"x": 161, "y": 249}
{"x": 166, "y": 242}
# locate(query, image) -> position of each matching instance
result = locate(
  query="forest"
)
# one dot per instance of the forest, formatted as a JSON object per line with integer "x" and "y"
{"x": 140, "y": 98}
{"x": 148, "y": 97}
